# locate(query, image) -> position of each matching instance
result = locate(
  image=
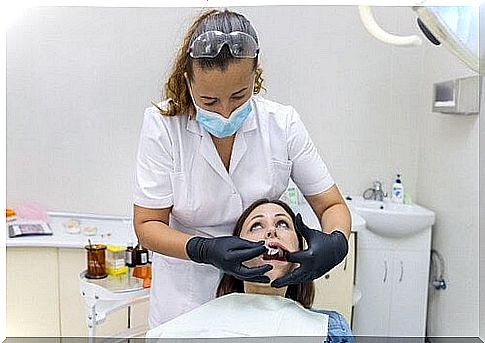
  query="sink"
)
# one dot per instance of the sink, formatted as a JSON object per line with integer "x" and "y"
{"x": 390, "y": 219}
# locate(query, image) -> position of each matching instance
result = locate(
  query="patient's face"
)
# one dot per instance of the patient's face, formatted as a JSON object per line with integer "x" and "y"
{"x": 271, "y": 223}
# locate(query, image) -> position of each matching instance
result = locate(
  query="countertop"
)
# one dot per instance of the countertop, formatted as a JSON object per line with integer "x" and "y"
{"x": 110, "y": 229}
{"x": 119, "y": 230}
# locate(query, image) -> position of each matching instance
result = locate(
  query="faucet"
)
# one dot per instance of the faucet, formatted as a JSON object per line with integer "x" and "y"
{"x": 375, "y": 193}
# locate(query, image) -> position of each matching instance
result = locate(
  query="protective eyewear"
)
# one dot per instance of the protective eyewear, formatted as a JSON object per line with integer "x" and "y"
{"x": 210, "y": 43}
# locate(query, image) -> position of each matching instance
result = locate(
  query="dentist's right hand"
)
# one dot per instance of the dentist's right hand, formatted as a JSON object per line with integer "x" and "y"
{"x": 227, "y": 253}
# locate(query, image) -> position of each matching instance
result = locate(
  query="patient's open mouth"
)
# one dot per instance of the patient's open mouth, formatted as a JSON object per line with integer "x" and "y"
{"x": 275, "y": 252}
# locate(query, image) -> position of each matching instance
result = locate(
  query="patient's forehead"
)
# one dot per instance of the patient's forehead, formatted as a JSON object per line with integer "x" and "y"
{"x": 268, "y": 210}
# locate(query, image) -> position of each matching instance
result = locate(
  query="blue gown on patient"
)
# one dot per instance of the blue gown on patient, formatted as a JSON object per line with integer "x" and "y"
{"x": 338, "y": 329}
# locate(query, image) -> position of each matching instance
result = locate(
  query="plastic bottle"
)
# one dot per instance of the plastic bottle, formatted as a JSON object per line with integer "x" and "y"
{"x": 397, "y": 195}
{"x": 293, "y": 195}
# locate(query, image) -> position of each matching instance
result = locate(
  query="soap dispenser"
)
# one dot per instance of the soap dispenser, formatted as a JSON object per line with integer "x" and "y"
{"x": 397, "y": 194}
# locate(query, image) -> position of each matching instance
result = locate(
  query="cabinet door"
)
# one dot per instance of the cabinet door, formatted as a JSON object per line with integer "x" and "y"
{"x": 32, "y": 292}
{"x": 333, "y": 291}
{"x": 373, "y": 279}
{"x": 409, "y": 293}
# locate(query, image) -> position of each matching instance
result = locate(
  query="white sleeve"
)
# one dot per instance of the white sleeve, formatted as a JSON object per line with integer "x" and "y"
{"x": 308, "y": 171}
{"x": 154, "y": 163}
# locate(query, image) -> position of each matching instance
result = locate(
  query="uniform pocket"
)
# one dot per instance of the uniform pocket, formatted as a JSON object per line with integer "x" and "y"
{"x": 281, "y": 171}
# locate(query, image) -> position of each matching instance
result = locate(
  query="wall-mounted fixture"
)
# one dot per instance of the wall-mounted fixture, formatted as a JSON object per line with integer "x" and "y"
{"x": 459, "y": 96}
{"x": 455, "y": 27}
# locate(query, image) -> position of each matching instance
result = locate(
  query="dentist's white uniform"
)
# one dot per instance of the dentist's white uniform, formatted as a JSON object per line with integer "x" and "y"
{"x": 178, "y": 165}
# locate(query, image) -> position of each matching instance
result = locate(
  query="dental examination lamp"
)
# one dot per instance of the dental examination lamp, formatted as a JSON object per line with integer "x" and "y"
{"x": 454, "y": 27}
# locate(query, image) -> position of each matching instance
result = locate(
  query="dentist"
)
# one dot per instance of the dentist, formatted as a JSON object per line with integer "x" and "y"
{"x": 206, "y": 153}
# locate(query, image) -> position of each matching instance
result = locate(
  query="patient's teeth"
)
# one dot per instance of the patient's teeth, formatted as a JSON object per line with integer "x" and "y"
{"x": 272, "y": 251}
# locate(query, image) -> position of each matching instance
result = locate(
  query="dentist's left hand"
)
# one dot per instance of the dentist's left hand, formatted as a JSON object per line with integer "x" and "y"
{"x": 324, "y": 252}
{"x": 228, "y": 253}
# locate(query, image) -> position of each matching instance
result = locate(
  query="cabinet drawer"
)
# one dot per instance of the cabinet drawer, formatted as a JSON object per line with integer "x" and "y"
{"x": 418, "y": 242}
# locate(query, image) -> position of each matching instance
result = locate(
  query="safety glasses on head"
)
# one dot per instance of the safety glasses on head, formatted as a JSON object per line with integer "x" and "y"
{"x": 210, "y": 43}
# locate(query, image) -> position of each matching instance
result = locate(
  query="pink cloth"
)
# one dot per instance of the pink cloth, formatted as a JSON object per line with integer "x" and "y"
{"x": 32, "y": 211}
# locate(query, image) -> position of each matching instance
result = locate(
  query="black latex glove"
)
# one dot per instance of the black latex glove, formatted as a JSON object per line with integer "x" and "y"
{"x": 324, "y": 252}
{"x": 227, "y": 254}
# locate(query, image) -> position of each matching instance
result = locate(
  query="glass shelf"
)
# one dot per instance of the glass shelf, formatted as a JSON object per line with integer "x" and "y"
{"x": 117, "y": 283}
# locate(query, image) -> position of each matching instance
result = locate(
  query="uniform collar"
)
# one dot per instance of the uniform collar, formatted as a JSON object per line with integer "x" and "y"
{"x": 250, "y": 122}
{"x": 194, "y": 127}
{"x": 248, "y": 125}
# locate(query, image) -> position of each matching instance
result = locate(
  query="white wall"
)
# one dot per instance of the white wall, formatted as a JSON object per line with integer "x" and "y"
{"x": 447, "y": 183}
{"x": 78, "y": 82}
{"x": 356, "y": 94}
{"x": 79, "y": 78}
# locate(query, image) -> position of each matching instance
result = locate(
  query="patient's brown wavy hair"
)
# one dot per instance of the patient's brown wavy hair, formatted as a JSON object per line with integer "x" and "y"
{"x": 304, "y": 293}
{"x": 176, "y": 88}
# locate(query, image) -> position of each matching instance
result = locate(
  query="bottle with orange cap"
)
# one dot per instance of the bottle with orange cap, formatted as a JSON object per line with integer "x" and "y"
{"x": 10, "y": 214}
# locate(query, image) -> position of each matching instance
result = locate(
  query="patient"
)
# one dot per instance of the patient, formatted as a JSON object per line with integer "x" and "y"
{"x": 248, "y": 309}
{"x": 274, "y": 222}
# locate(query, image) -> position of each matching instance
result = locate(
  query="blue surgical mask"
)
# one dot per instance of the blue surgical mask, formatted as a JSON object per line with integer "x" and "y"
{"x": 222, "y": 127}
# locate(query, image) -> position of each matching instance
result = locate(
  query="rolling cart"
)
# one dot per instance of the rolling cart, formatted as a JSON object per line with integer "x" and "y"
{"x": 104, "y": 296}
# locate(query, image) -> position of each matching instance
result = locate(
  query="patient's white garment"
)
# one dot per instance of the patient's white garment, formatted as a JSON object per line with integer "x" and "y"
{"x": 245, "y": 315}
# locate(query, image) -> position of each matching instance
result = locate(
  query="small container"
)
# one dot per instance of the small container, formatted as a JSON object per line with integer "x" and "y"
{"x": 144, "y": 272}
{"x": 141, "y": 255}
{"x": 130, "y": 255}
{"x": 115, "y": 260}
{"x": 96, "y": 254}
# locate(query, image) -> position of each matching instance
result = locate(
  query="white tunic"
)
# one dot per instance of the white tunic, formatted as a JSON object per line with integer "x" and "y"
{"x": 178, "y": 165}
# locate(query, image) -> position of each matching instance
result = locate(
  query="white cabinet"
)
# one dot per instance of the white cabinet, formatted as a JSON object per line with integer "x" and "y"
{"x": 409, "y": 288}
{"x": 392, "y": 275}
{"x": 371, "y": 313}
